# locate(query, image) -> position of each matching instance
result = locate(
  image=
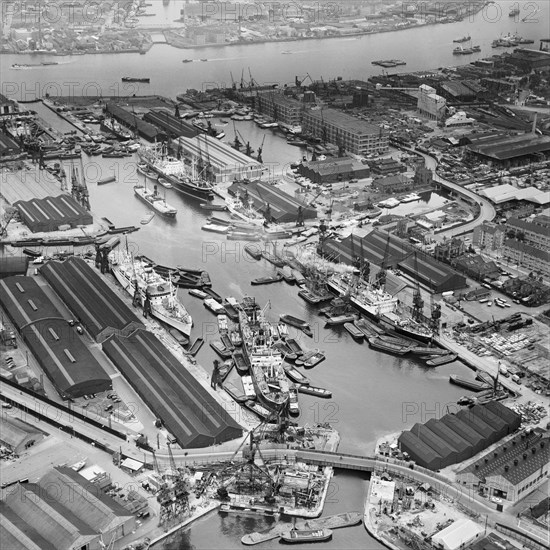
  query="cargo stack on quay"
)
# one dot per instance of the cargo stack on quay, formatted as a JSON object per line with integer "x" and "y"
{"x": 403, "y": 217}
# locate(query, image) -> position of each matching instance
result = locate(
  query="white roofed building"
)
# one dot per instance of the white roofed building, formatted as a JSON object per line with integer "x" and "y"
{"x": 458, "y": 535}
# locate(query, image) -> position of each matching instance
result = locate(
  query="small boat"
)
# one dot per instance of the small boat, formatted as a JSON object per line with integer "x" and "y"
{"x": 252, "y": 511}
{"x": 298, "y": 323}
{"x": 442, "y": 360}
{"x": 314, "y": 297}
{"x": 304, "y": 357}
{"x": 227, "y": 343}
{"x": 235, "y": 338}
{"x": 224, "y": 368}
{"x": 287, "y": 275}
{"x": 313, "y": 390}
{"x": 389, "y": 347}
{"x": 196, "y": 346}
{"x": 231, "y": 308}
{"x": 135, "y": 79}
{"x": 282, "y": 330}
{"x": 285, "y": 350}
{"x": 108, "y": 179}
{"x": 306, "y": 535}
{"x": 164, "y": 182}
{"x": 272, "y": 258}
{"x": 293, "y": 407}
{"x": 233, "y": 385}
{"x": 147, "y": 218}
{"x": 473, "y": 385}
{"x": 267, "y": 280}
{"x": 314, "y": 360}
{"x": 187, "y": 61}
{"x": 295, "y": 375}
{"x": 32, "y": 253}
{"x": 241, "y": 362}
{"x": 258, "y": 409}
{"x": 340, "y": 320}
{"x": 298, "y": 277}
{"x": 179, "y": 337}
{"x": 368, "y": 329}
{"x": 213, "y": 228}
{"x": 223, "y": 325}
{"x": 463, "y": 39}
{"x": 212, "y": 206}
{"x": 215, "y": 307}
{"x": 198, "y": 293}
{"x": 213, "y": 294}
{"x": 354, "y": 331}
{"x": 294, "y": 346}
{"x": 253, "y": 251}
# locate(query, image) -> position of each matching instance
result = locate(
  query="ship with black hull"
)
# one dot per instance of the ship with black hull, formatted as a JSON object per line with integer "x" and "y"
{"x": 184, "y": 179}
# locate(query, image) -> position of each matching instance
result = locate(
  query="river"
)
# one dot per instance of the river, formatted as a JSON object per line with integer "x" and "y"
{"x": 373, "y": 393}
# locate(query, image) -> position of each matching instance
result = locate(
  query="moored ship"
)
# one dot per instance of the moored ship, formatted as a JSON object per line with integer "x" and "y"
{"x": 155, "y": 201}
{"x": 153, "y": 291}
{"x": 116, "y": 129}
{"x": 183, "y": 178}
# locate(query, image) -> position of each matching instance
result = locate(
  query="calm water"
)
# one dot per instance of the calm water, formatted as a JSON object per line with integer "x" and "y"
{"x": 373, "y": 393}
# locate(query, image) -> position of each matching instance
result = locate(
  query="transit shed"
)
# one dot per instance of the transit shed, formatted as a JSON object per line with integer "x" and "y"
{"x": 458, "y": 535}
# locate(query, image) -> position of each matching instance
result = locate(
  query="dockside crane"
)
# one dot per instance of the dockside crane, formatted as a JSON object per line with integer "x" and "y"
{"x": 382, "y": 273}
{"x": 8, "y": 217}
{"x": 260, "y": 150}
{"x": 418, "y": 302}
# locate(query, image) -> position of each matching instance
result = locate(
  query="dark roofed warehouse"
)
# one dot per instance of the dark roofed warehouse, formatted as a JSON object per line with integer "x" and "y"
{"x": 189, "y": 413}
{"x": 283, "y": 207}
{"x": 57, "y": 347}
{"x": 132, "y": 121}
{"x": 171, "y": 125}
{"x": 89, "y": 297}
{"x": 457, "y": 437}
{"x": 51, "y": 212}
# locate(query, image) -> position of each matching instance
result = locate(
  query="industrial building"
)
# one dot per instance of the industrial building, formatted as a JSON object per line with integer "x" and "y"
{"x": 187, "y": 410}
{"x": 356, "y": 136}
{"x": 507, "y": 195}
{"x": 457, "y": 437}
{"x": 57, "y": 347}
{"x": 280, "y": 108}
{"x": 528, "y": 60}
{"x": 505, "y": 151}
{"x": 50, "y": 213}
{"x": 13, "y": 265}
{"x": 458, "y": 535}
{"x": 513, "y": 469}
{"x": 332, "y": 170}
{"x": 381, "y": 248}
{"x": 225, "y": 164}
{"x": 62, "y": 511}
{"x": 131, "y": 121}
{"x": 90, "y": 299}
{"x": 171, "y": 125}
{"x": 282, "y": 207}
{"x": 430, "y": 104}
{"x": 18, "y": 436}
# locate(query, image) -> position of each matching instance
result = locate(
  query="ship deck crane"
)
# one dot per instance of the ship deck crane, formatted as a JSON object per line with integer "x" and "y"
{"x": 382, "y": 273}
{"x": 418, "y": 302}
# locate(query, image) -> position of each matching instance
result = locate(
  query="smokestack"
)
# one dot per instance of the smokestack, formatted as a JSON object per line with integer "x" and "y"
{"x": 534, "y": 127}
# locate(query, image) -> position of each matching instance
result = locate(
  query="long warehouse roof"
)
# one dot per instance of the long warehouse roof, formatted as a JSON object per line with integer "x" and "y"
{"x": 90, "y": 298}
{"x": 189, "y": 413}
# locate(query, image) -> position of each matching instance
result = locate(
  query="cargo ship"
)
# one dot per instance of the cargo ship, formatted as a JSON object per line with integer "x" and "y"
{"x": 184, "y": 179}
{"x": 266, "y": 362}
{"x": 154, "y": 291}
{"x": 155, "y": 201}
{"x": 135, "y": 79}
{"x": 116, "y": 129}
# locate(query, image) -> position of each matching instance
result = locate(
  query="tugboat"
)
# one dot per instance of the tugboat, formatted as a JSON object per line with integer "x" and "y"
{"x": 463, "y": 39}
{"x": 135, "y": 79}
{"x": 306, "y": 535}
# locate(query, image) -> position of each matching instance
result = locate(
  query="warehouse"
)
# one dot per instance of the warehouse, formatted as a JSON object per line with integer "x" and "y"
{"x": 513, "y": 469}
{"x": 89, "y": 297}
{"x": 457, "y": 437}
{"x": 282, "y": 207}
{"x": 130, "y": 120}
{"x": 378, "y": 249}
{"x": 18, "y": 436}
{"x": 48, "y": 214}
{"x": 170, "y": 124}
{"x": 57, "y": 347}
{"x": 332, "y": 170}
{"x": 187, "y": 410}
{"x": 62, "y": 511}
{"x": 458, "y": 535}
{"x": 225, "y": 164}
{"x": 13, "y": 265}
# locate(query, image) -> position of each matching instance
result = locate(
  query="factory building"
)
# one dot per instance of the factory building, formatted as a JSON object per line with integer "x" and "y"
{"x": 513, "y": 469}
{"x": 457, "y": 437}
{"x": 282, "y": 206}
{"x": 280, "y": 108}
{"x": 13, "y": 265}
{"x": 187, "y": 410}
{"x": 356, "y": 136}
{"x": 90, "y": 299}
{"x": 62, "y": 511}
{"x": 50, "y": 213}
{"x": 430, "y": 104}
{"x": 60, "y": 351}
{"x": 332, "y": 170}
{"x": 18, "y": 436}
{"x": 458, "y": 535}
{"x": 225, "y": 164}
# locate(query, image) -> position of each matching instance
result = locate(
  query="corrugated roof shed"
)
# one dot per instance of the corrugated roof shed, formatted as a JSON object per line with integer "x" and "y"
{"x": 283, "y": 207}
{"x": 15, "y": 431}
{"x": 145, "y": 129}
{"x": 463, "y": 447}
{"x": 49, "y": 213}
{"x": 512, "y": 418}
{"x": 445, "y": 450}
{"x": 90, "y": 298}
{"x": 168, "y": 123}
{"x": 457, "y": 535}
{"x": 419, "y": 451}
{"x": 465, "y": 431}
{"x": 475, "y": 422}
{"x": 498, "y": 424}
{"x": 510, "y": 147}
{"x": 60, "y": 351}
{"x": 188, "y": 411}
{"x": 16, "y": 534}
{"x": 13, "y": 265}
